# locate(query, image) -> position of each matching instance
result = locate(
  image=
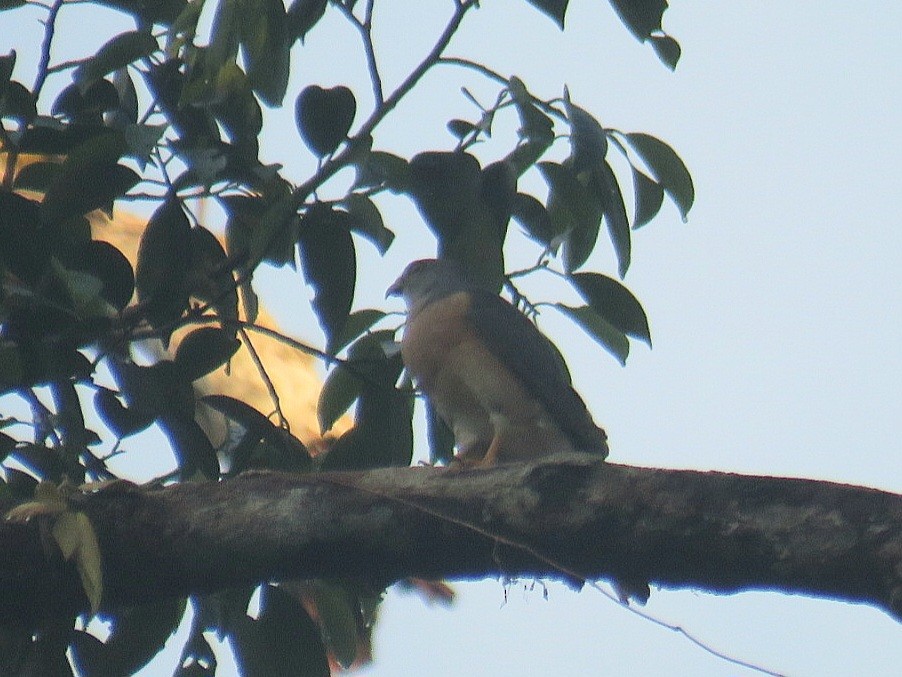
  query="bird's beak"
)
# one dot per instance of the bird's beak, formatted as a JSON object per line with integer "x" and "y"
{"x": 397, "y": 288}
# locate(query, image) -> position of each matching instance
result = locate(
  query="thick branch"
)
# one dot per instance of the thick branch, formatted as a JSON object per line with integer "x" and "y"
{"x": 568, "y": 516}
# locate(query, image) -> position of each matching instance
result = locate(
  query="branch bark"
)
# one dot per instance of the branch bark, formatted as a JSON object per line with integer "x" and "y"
{"x": 567, "y": 516}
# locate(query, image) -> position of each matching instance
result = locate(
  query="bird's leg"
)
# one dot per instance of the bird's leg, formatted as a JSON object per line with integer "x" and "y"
{"x": 469, "y": 456}
{"x": 491, "y": 455}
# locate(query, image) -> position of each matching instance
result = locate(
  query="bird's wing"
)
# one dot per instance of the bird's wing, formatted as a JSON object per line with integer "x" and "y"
{"x": 512, "y": 338}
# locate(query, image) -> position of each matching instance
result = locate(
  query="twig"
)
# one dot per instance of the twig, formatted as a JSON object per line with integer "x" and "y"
{"x": 44, "y": 62}
{"x": 261, "y": 368}
{"x": 365, "y": 28}
{"x": 541, "y": 265}
{"x": 474, "y": 65}
{"x": 65, "y": 65}
{"x": 43, "y": 426}
{"x": 496, "y": 76}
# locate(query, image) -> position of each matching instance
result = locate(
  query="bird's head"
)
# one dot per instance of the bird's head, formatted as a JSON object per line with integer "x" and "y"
{"x": 426, "y": 281}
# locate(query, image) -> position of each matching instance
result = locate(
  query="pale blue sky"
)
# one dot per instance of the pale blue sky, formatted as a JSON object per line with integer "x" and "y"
{"x": 774, "y": 311}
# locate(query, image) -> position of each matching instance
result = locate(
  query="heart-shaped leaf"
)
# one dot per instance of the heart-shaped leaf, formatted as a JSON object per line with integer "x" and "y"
{"x": 324, "y": 117}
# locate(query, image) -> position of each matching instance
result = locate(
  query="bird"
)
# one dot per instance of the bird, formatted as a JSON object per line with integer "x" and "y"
{"x": 500, "y": 385}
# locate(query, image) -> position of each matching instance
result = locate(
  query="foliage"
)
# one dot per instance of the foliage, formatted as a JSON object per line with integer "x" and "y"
{"x": 157, "y": 115}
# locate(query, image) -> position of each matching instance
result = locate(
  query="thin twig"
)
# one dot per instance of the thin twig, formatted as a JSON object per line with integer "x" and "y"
{"x": 43, "y": 417}
{"x": 365, "y": 28}
{"x": 474, "y": 65}
{"x": 65, "y": 65}
{"x": 44, "y": 62}
{"x": 261, "y": 369}
{"x": 541, "y": 265}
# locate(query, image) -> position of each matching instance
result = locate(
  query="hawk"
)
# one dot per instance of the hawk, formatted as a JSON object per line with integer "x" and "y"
{"x": 497, "y": 382}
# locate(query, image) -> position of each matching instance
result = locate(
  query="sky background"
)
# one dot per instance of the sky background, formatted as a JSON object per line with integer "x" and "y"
{"x": 775, "y": 311}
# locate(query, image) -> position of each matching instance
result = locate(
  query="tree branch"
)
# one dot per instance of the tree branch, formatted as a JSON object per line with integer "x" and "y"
{"x": 570, "y": 517}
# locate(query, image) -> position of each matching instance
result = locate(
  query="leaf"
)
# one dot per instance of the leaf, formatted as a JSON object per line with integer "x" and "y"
{"x": 460, "y": 128}
{"x": 117, "y": 53}
{"x": 258, "y": 230}
{"x": 7, "y": 64}
{"x": 121, "y": 420}
{"x": 446, "y": 189}
{"x": 89, "y": 178}
{"x": 497, "y": 192}
{"x": 324, "y": 117}
{"x": 237, "y": 110}
{"x": 18, "y": 103}
{"x": 556, "y": 9}
{"x": 25, "y": 247}
{"x": 284, "y": 451}
{"x": 588, "y": 140}
{"x": 357, "y": 323}
{"x": 224, "y": 40}
{"x": 282, "y": 641}
{"x": 667, "y": 168}
{"x": 382, "y": 435}
{"x": 210, "y": 276}
{"x": 87, "y": 107}
{"x": 83, "y": 290}
{"x": 192, "y": 448}
{"x": 667, "y": 49}
{"x": 106, "y": 263}
{"x": 11, "y": 368}
{"x": 142, "y": 139}
{"x": 609, "y": 337}
{"x": 38, "y": 176}
{"x": 275, "y": 233}
{"x": 93, "y": 188}
{"x": 615, "y": 216}
{"x": 163, "y": 259}
{"x": 137, "y": 634}
{"x": 379, "y": 168}
{"x": 614, "y": 303}
{"x": 329, "y": 263}
{"x": 303, "y": 15}
{"x": 367, "y": 221}
{"x": 266, "y": 49}
{"x": 7, "y": 444}
{"x": 340, "y": 389}
{"x": 532, "y": 215}
{"x": 77, "y": 540}
{"x": 337, "y": 609}
{"x": 156, "y": 12}
{"x": 204, "y": 350}
{"x": 649, "y": 198}
{"x": 575, "y": 212}
{"x": 536, "y": 127}
{"x": 641, "y": 17}
{"x": 126, "y": 112}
